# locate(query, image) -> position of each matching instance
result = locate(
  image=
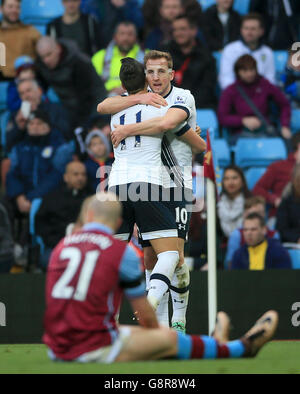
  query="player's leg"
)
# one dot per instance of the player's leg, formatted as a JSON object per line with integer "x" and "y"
{"x": 150, "y": 259}
{"x": 156, "y": 224}
{"x": 179, "y": 290}
{"x": 180, "y": 282}
{"x": 153, "y": 344}
{"x": 167, "y": 253}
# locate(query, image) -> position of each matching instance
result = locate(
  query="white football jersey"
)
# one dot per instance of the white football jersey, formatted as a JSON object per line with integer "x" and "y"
{"x": 174, "y": 151}
{"x": 138, "y": 158}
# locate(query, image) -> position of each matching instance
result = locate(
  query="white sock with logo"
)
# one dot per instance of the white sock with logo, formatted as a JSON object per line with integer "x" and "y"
{"x": 179, "y": 283}
{"x": 161, "y": 276}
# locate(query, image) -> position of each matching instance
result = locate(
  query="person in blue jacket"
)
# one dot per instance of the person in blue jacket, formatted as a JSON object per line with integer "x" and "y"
{"x": 32, "y": 172}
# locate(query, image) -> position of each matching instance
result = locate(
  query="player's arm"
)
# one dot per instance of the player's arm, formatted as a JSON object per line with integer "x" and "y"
{"x": 112, "y": 105}
{"x": 193, "y": 139}
{"x": 169, "y": 121}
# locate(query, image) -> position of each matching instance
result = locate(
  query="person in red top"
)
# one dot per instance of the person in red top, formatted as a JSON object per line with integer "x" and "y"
{"x": 278, "y": 174}
{"x": 87, "y": 275}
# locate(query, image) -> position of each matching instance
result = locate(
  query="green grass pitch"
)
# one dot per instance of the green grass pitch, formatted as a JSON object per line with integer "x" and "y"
{"x": 276, "y": 357}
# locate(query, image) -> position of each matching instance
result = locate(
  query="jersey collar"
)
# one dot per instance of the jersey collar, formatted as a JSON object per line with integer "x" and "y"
{"x": 98, "y": 227}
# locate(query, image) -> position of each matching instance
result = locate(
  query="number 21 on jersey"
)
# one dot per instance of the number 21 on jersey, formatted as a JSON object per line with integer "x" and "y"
{"x": 138, "y": 118}
{"x": 61, "y": 288}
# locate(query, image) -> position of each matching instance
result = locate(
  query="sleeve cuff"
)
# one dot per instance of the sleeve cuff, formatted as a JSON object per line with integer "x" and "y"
{"x": 183, "y": 108}
{"x": 183, "y": 130}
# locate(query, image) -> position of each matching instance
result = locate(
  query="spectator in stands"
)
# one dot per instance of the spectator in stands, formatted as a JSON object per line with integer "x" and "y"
{"x": 278, "y": 174}
{"x": 29, "y": 91}
{"x": 61, "y": 207}
{"x": 107, "y": 62}
{"x": 81, "y": 28}
{"x": 221, "y": 25}
{"x": 32, "y": 173}
{"x": 113, "y": 12}
{"x": 195, "y": 67}
{"x": 230, "y": 206}
{"x": 24, "y": 66}
{"x": 288, "y": 214}
{"x": 19, "y": 39}
{"x": 281, "y": 19}
{"x": 100, "y": 122}
{"x": 99, "y": 162}
{"x": 236, "y": 240}
{"x": 159, "y": 15}
{"x": 258, "y": 252}
{"x": 6, "y": 242}
{"x": 252, "y": 30}
{"x": 244, "y": 105}
{"x": 71, "y": 74}
{"x": 290, "y": 78}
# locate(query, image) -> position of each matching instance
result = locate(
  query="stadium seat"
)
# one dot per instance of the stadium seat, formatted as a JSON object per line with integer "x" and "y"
{"x": 241, "y": 6}
{"x": 253, "y": 175}
{"x": 295, "y": 257}
{"x": 52, "y": 96}
{"x": 3, "y": 95}
{"x": 35, "y": 239}
{"x": 207, "y": 119}
{"x": 295, "y": 120}
{"x": 222, "y": 152}
{"x": 40, "y": 12}
{"x": 217, "y": 55}
{"x": 206, "y": 3}
{"x": 259, "y": 152}
{"x": 280, "y": 58}
{"x": 3, "y": 126}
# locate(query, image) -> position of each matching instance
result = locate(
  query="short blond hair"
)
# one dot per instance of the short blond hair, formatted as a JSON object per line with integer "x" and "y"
{"x": 152, "y": 55}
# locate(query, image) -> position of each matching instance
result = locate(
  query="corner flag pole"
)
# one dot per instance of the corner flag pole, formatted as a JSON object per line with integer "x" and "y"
{"x": 212, "y": 255}
{"x": 209, "y": 173}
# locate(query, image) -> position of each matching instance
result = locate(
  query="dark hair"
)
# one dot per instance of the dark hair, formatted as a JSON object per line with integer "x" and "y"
{"x": 244, "y": 62}
{"x": 255, "y": 215}
{"x": 132, "y": 75}
{"x": 253, "y": 16}
{"x": 295, "y": 141}
{"x": 244, "y": 190}
{"x": 191, "y": 22}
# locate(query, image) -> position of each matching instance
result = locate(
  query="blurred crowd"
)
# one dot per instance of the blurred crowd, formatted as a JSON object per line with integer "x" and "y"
{"x": 54, "y": 143}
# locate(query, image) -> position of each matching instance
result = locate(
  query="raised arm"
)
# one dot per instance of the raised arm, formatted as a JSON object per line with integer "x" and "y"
{"x": 112, "y": 105}
{"x": 193, "y": 139}
{"x": 173, "y": 118}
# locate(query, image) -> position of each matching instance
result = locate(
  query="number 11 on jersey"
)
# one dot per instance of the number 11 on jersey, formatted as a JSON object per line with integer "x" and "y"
{"x": 138, "y": 118}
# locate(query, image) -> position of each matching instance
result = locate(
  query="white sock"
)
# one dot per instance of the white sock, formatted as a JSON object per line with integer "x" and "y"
{"x": 161, "y": 276}
{"x": 180, "y": 280}
{"x": 148, "y": 274}
{"x": 162, "y": 311}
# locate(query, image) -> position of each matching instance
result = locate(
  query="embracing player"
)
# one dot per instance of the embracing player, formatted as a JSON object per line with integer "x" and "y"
{"x": 177, "y": 157}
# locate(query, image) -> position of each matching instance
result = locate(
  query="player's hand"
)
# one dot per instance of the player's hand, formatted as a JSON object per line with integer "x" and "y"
{"x": 153, "y": 99}
{"x": 118, "y": 134}
{"x": 198, "y": 130}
